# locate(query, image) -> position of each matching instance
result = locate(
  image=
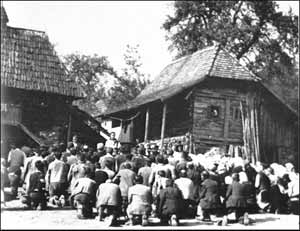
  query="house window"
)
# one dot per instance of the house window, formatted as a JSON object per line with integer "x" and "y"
{"x": 214, "y": 111}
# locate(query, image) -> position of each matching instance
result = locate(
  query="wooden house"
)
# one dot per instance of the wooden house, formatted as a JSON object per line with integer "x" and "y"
{"x": 36, "y": 93}
{"x": 211, "y": 96}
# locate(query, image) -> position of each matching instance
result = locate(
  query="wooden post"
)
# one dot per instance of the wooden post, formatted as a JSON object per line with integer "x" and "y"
{"x": 227, "y": 118}
{"x": 147, "y": 124}
{"x": 163, "y": 124}
{"x": 69, "y": 127}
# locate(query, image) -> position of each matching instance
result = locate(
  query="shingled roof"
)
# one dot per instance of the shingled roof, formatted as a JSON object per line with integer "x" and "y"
{"x": 187, "y": 71}
{"x": 29, "y": 61}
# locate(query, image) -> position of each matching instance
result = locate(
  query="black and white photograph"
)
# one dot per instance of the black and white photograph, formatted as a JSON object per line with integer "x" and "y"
{"x": 143, "y": 115}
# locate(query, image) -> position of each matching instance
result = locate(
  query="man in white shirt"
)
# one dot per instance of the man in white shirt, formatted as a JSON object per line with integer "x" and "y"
{"x": 16, "y": 161}
{"x": 112, "y": 142}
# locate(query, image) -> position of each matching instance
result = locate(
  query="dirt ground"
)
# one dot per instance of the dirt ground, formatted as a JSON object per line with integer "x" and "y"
{"x": 15, "y": 216}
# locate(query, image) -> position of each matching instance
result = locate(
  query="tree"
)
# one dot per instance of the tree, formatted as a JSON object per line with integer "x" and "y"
{"x": 89, "y": 72}
{"x": 131, "y": 81}
{"x": 260, "y": 35}
{"x": 92, "y": 73}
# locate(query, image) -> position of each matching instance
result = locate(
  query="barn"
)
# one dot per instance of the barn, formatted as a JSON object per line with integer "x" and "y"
{"x": 219, "y": 103}
{"x": 36, "y": 94}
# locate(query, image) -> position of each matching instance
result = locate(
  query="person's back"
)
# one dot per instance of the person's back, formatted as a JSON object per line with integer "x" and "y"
{"x": 108, "y": 194}
{"x": 36, "y": 187}
{"x": 236, "y": 195}
{"x": 84, "y": 185}
{"x": 58, "y": 171}
{"x": 119, "y": 160}
{"x": 36, "y": 182}
{"x": 16, "y": 158}
{"x": 185, "y": 185}
{"x": 126, "y": 180}
{"x": 30, "y": 167}
{"x": 170, "y": 200}
{"x": 140, "y": 199}
{"x": 210, "y": 195}
{"x": 170, "y": 204}
{"x": 145, "y": 173}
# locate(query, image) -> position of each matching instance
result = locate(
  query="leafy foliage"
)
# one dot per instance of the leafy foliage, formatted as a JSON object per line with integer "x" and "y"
{"x": 93, "y": 72}
{"x": 258, "y": 34}
{"x": 131, "y": 82}
{"x": 88, "y": 72}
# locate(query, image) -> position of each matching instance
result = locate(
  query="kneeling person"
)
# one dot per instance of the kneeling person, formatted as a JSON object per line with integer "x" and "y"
{"x": 109, "y": 200}
{"x": 139, "y": 201}
{"x": 36, "y": 188}
{"x": 170, "y": 202}
{"x": 84, "y": 195}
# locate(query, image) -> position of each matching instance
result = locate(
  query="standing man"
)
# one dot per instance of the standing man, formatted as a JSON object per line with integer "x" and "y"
{"x": 16, "y": 161}
{"x": 76, "y": 143}
{"x": 112, "y": 142}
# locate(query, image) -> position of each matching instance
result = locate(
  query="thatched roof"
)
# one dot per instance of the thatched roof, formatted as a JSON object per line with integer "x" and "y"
{"x": 29, "y": 61}
{"x": 183, "y": 73}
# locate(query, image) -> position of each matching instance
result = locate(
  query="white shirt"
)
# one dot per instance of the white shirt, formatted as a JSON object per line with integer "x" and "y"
{"x": 112, "y": 143}
{"x": 186, "y": 187}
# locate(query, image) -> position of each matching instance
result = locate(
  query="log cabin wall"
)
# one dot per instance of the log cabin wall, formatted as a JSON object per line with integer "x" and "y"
{"x": 278, "y": 132}
{"x": 226, "y": 127}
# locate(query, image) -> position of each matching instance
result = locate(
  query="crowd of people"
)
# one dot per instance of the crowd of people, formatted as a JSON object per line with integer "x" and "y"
{"x": 144, "y": 181}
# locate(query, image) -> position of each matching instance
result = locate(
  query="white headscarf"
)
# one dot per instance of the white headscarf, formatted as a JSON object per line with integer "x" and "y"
{"x": 243, "y": 177}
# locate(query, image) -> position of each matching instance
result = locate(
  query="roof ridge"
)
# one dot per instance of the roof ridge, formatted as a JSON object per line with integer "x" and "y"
{"x": 27, "y": 29}
{"x": 238, "y": 62}
{"x": 214, "y": 60}
{"x": 193, "y": 54}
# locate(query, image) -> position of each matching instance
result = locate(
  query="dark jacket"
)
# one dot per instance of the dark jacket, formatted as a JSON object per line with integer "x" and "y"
{"x": 36, "y": 182}
{"x": 250, "y": 194}
{"x": 265, "y": 183}
{"x": 236, "y": 195}
{"x": 170, "y": 201}
{"x": 279, "y": 201}
{"x": 209, "y": 195}
{"x": 251, "y": 173}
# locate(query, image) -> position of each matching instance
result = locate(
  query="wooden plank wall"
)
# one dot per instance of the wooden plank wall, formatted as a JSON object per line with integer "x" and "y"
{"x": 278, "y": 133}
{"x": 221, "y": 131}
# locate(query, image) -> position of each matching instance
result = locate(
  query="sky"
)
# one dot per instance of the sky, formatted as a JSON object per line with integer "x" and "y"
{"x": 104, "y": 28}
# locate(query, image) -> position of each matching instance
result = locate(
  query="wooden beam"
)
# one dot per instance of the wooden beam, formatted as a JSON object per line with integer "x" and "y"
{"x": 69, "y": 127}
{"x": 163, "y": 124}
{"x": 227, "y": 118}
{"x": 147, "y": 124}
